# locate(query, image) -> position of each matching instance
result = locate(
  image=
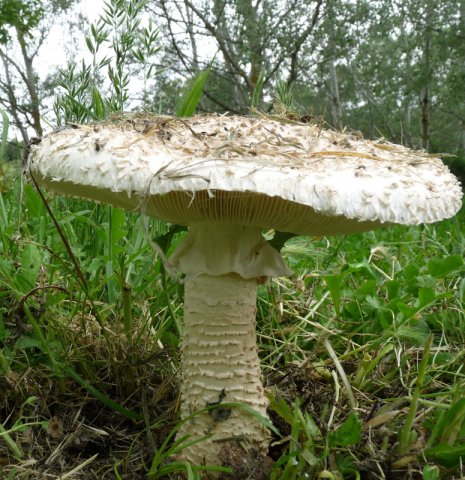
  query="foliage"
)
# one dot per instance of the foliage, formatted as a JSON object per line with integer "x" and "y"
{"x": 399, "y": 76}
{"x": 24, "y": 32}
{"x": 26, "y": 15}
{"x": 119, "y": 30}
{"x": 23, "y": 15}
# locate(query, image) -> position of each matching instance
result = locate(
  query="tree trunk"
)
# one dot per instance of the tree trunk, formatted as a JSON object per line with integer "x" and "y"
{"x": 336, "y": 110}
{"x": 425, "y": 117}
{"x": 31, "y": 84}
{"x": 335, "y": 52}
{"x": 407, "y": 138}
{"x": 13, "y": 107}
{"x": 425, "y": 103}
{"x": 407, "y": 125}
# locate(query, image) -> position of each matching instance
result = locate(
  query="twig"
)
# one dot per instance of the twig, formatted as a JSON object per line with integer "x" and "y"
{"x": 71, "y": 473}
{"x": 342, "y": 374}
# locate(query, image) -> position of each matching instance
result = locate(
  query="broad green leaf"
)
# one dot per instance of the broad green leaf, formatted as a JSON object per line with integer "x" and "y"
{"x": 30, "y": 265}
{"x": 405, "y": 310}
{"x": 426, "y": 281}
{"x": 349, "y": 433}
{"x": 416, "y": 334}
{"x": 393, "y": 289}
{"x": 411, "y": 272}
{"x": 352, "y": 310}
{"x": 431, "y": 472}
{"x": 33, "y": 202}
{"x": 55, "y": 298}
{"x": 346, "y": 465}
{"x": 280, "y": 407}
{"x": 367, "y": 288}
{"x": 425, "y": 296}
{"x": 26, "y": 341}
{"x": 334, "y": 284}
{"x": 446, "y": 455}
{"x": 439, "y": 267}
{"x": 374, "y": 301}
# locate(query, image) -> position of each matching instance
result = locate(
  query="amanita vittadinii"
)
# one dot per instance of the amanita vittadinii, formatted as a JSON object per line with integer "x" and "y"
{"x": 227, "y": 178}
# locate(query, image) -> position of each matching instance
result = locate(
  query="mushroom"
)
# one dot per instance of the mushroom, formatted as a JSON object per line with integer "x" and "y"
{"x": 227, "y": 178}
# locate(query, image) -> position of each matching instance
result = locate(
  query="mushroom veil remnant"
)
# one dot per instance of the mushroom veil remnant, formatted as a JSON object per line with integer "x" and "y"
{"x": 227, "y": 178}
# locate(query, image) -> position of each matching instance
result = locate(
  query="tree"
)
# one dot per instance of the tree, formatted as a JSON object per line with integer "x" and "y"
{"x": 401, "y": 75}
{"x": 246, "y": 38}
{"x": 24, "y": 27}
{"x": 21, "y": 15}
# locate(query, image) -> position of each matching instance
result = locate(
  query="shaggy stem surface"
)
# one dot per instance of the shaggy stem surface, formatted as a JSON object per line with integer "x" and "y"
{"x": 219, "y": 355}
{"x": 221, "y": 365}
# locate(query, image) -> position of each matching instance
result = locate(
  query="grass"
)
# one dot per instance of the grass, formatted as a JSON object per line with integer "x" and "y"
{"x": 361, "y": 349}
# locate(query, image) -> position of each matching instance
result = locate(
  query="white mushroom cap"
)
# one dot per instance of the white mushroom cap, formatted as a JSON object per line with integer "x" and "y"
{"x": 259, "y": 171}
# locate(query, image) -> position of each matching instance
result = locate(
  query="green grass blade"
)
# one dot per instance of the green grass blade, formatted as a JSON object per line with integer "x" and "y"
{"x": 80, "y": 107}
{"x": 12, "y": 445}
{"x": 101, "y": 396}
{"x": 98, "y": 104}
{"x": 257, "y": 91}
{"x": 191, "y": 97}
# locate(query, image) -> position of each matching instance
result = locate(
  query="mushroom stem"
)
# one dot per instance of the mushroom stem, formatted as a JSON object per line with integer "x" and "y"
{"x": 219, "y": 357}
{"x": 221, "y": 365}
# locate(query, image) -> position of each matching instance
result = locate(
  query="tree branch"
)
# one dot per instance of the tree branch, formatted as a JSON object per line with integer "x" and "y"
{"x": 228, "y": 56}
{"x": 297, "y": 46}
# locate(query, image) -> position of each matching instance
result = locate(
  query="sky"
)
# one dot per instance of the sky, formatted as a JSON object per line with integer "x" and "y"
{"x": 53, "y": 52}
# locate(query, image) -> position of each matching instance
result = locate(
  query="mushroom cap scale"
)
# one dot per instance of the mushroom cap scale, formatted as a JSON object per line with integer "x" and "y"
{"x": 256, "y": 171}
